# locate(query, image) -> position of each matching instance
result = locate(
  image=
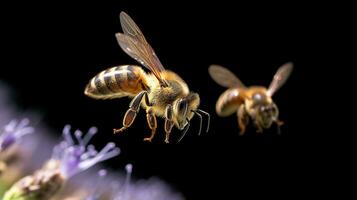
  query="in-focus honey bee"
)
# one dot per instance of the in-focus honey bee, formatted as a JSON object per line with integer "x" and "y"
{"x": 253, "y": 102}
{"x": 161, "y": 93}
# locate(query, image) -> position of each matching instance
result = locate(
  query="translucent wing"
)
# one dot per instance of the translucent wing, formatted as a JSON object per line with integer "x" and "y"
{"x": 130, "y": 28}
{"x": 135, "y": 45}
{"x": 224, "y": 77}
{"x": 280, "y": 78}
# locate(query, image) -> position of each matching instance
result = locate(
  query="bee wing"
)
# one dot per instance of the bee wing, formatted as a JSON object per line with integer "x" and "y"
{"x": 224, "y": 77}
{"x": 135, "y": 45}
{"x": 280, "y": 78}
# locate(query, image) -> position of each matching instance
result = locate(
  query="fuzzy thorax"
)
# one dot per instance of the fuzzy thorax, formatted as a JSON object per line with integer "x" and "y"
{"x": 176, "y": 94}
{"x": 160, "y": 97}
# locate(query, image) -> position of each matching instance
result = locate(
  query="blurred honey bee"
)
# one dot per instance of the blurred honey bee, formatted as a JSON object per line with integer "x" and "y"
{"x": 161, "y": 93}
{"x": 253, "y": 102}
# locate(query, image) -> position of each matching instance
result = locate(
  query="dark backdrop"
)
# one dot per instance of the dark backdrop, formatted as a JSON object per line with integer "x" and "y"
{"x": 53, "y": 50}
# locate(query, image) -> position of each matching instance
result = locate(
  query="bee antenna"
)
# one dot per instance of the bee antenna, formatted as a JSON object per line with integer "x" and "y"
{"x": 185, "y": 131}
{"x": 208, "y": 118}
{"x": 200, "y": 116}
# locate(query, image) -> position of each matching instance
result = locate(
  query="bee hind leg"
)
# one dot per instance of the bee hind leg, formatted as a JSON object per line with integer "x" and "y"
{"x": 243, "y": 119}
{"x": 131, "y": 113}
{"x": 151, "y": 119}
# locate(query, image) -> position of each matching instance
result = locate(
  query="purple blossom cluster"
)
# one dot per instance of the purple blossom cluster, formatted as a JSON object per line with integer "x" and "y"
{"x": 72, "y": 171}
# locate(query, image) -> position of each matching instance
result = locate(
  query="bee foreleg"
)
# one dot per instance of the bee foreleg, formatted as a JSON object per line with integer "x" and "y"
{"x": 243, "y": 119}
{"x": 151, "y": 119}
{"x": 130, "y": 114}
{"x": 168, "y": 122}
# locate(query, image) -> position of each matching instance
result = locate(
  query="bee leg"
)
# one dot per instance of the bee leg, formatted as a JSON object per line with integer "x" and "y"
{"x": 243, "y": 119}
{"x": 151, "y": 119}
{"x": 279, "y": 124}
{"x": 168, "y": 122}
{"x": 130, "y": 114}
{"x": 259, "y": 128}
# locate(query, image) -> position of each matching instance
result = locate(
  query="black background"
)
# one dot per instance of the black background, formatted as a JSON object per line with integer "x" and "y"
{"x": 52, "y": 50}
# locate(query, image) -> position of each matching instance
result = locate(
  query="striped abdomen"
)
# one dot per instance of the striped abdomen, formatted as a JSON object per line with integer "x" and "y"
{"x": 116, "y": 82}
{"x": 229, "y": 102}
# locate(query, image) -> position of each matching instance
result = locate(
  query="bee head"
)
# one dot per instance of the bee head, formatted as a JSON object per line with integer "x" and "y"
{"x": 259, "y": 98}
{"x": 267, "y": 114}
{"x": 183, "y": 109}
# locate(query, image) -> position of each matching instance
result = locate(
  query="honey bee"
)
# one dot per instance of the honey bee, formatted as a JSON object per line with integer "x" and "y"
{"x": 253, "y": 102}
{"x": 161, "y": 93}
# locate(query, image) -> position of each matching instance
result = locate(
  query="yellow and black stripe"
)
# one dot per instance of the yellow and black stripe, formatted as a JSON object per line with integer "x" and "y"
{"x": 116, "y": 82}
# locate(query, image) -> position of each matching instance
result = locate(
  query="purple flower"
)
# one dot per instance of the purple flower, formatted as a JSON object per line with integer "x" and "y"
{"x": 13, "y": 133}
{"x": 152, "y": 189}
{"x": 77, "y": 156}
{"x": 69, "y": 158}
{"x": 123, "y": 188}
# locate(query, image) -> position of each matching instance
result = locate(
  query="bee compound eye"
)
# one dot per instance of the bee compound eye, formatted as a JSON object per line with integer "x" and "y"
{"x": 257, "y": 96}
{"x": 182, "y": 106}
